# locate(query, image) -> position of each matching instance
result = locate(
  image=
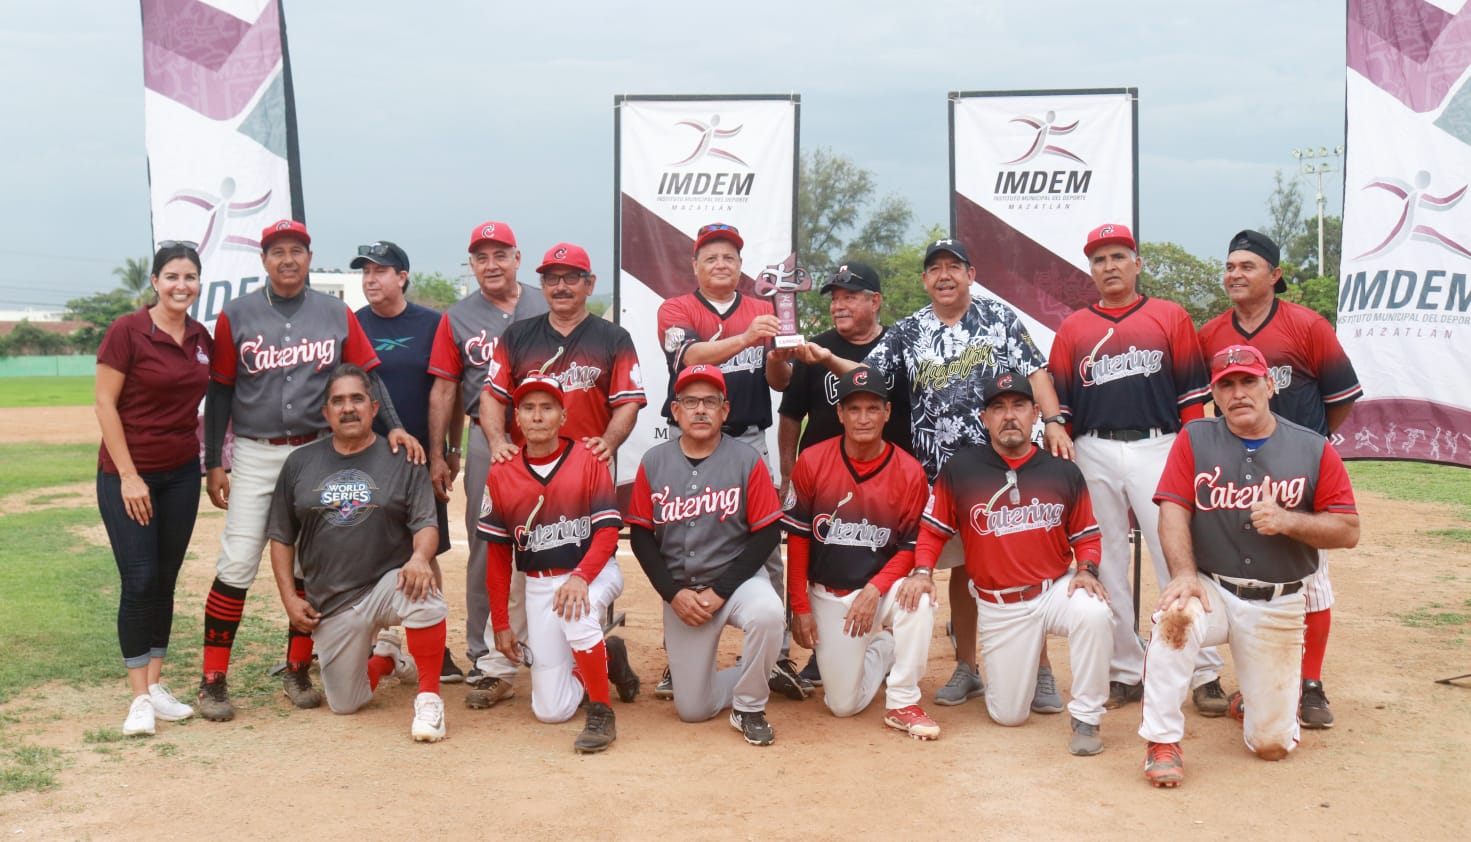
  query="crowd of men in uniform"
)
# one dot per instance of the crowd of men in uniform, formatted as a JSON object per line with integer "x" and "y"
{"x": 901, "y": 449}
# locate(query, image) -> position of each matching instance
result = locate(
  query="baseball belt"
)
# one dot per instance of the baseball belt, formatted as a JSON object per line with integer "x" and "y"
{"x": 547, "y": 574}
{"x": 292, "y": 441}
{"x": 1128, "y": 434}
{"x": 1008, "y": 596}
{"x": 1259, "y": 593}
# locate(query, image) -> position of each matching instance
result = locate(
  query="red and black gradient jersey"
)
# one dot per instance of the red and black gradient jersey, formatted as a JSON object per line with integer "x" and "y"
{"x": 689, "y": 319}
{"x": 856, "y": 517}
{"x": 1308, "y": 364}
{"x": 550, "y": 521}
{"x": 1133, "y": 367}
{"x": 595, "y": 363}
{"x": 1021, "y": 524}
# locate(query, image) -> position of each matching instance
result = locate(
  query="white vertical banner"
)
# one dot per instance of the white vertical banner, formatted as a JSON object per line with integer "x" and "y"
{"x": 680, "y": 163}
{"x": 1404, "y": 299}
{"x": 221, "y": 134}
{"x": 1032, "y": 172}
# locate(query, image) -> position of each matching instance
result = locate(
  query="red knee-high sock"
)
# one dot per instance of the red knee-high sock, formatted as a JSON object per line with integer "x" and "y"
{"x": 426, "y": 647}
{"x": 378, "y": 666}
{"x": 1315, "y": 643}
{"x": 222, "y": 610}
{"x": 593, "y": 666}
{"x": 298, "y": 644}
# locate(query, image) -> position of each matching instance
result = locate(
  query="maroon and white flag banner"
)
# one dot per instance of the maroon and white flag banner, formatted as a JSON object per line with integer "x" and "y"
{"x": 680, "y": 163}
{"x": 1031, "y": 173}
{"x": 221, "y": 134}
{"x": 1404, "y": 295}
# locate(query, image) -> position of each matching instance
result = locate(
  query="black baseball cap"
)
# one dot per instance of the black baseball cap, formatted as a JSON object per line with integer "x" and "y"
{"x": 857, "y": 277}
{"x": 949, "y": 244}
{"x": 862, "y": 379}
{"x": 1261, "y": 245}
{"x": 382, "y": 253}
{"x": 1005, "y": 383}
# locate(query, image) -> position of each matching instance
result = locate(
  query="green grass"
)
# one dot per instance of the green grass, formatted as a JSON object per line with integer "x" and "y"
{"x": 1459, "y": 536}
{"x": 45, "y": 465}
{"x": 46, "y": 391}
{"x": 25, "y": 767}
{"x": 1416, "y": 482}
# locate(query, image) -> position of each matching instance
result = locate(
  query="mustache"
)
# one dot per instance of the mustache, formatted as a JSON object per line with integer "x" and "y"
{"x": 349, "y": 416}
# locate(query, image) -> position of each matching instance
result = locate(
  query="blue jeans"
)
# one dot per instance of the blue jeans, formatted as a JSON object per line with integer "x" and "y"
{"x": 149, "y": 557}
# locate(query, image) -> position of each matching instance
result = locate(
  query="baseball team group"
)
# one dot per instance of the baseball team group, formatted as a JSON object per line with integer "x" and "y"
{"x": 946, "y": 440}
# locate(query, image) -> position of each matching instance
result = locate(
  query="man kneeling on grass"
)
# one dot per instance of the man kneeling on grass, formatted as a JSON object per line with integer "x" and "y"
{"x": 365, "y": 525}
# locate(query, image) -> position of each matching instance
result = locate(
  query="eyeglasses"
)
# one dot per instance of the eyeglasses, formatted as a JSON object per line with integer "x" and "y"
{"x": 1016, "y": 491}
{"x": 1237, "y": 355}
{"x": 716, "y": 226}
{"x": 569, "y": 279}
{"x": 711, "y": 402}
{"x": 526, "y": 659}
{"x": 178, "y": 244}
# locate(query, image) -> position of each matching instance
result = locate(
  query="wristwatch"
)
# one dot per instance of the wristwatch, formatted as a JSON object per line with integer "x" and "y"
{"x": 452, "y": 450}
{"x": 1092, "y": 567}
{"x": 921, "y": 571}
{"x": 1054, "y": 419}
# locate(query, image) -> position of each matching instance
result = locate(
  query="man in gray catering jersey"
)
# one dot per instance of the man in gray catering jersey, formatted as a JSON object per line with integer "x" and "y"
{"x": 366, "y": 525}
{"x": 461, "y": 357}
{"x": 703, "y": 517}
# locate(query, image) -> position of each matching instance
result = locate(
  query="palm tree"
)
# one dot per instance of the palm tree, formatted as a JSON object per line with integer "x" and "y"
{"x": 134, "y": 275}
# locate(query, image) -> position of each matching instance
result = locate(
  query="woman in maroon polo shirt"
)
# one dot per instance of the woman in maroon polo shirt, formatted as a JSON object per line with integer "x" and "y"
{"x": 152, "y": 370}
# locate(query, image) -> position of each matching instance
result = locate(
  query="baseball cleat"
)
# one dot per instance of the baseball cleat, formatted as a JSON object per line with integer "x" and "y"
{"x": 214, "y": 698}
{"x": 449, "y": 671}
{"x": 428, "y": 724}
{"x": 140, "y": 718}
{"x": 1312, "y": 709}
{"x": 1085, "y": 741}
{"x": 165, "y": 706}
{"x": 1045, "y": 698}
{"x": 390, "y": 646}
{"x": 913, "y": 721}
{"x": 810, "y": 673}
{"x": 1236, "y": 707}
{"x": 665, "y": 688}
{"x": 784, "y": 680}
{"x": 599, "y": 732}
{"x": 1210, "y": 699}
{"x": 964, "y": 684}
{"x": 753, "y": 726}
{"x": 486, "y": 691}
{"x": 297, "y": 684}
{"x": 1163, "y": 765}
{"x": 622, "y": 676}
{"x": 1120, "y": 694}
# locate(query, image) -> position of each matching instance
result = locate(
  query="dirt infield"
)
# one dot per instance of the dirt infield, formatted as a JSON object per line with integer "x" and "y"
{"x": 1396, "y": 766}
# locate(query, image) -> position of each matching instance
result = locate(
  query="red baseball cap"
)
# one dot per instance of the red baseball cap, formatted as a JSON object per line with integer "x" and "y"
{"x": 1111, "y": 234}
{"x": 708, "y": 373}
{"x": 492, "y": 232}
{"x": 718, "y": 231}
{"x": 537, "y": 383}
{"x": 1234, "y": 358}
{"x": 284, "y": 228}
{"x": 565, "y": 254}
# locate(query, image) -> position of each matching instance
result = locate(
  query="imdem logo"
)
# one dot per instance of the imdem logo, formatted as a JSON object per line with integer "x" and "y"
{"x": 1046, "y": 184}
{"x": 688, "y": 181}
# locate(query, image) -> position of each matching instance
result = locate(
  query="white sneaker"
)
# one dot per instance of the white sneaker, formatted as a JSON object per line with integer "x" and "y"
{"x": 389, "y": 646}
{"x": 428, "y": 718}
{"x": 165, "y": 706}
{"x": 140, "y": 718}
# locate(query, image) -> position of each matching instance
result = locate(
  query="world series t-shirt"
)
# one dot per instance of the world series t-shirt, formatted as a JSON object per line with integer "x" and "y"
{"x": 352, "y": 518}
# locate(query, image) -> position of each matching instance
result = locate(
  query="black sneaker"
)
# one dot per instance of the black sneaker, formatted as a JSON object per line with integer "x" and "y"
{"x": 1210, "y": 699}
{"x": 1312, "y": 709}
{"x": 1120, "y": 694}
{"x": 214, "y": 698}
{"x": 665, "y": 688}
{"x": 810, "y": 673}
{"x": 449, "y": 671}
{"x": 297, "y": 684}
{"x": 624, "y": 679}
{"x": 784, "y": 680}
{"x": 753, "y": 726}
{"x": 599, "y": 732}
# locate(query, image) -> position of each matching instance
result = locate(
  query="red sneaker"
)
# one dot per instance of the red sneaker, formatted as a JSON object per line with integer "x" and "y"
{"x": 912, "y": 721}
{"x": 1163, "y": 765}
{"x": 1236, "y": 707}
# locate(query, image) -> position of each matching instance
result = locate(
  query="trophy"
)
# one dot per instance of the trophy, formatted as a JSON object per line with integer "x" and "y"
{"x": 781, "y": 282}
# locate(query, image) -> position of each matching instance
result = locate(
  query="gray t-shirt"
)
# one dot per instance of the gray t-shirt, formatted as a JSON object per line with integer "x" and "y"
{"x": 352, "y": 518}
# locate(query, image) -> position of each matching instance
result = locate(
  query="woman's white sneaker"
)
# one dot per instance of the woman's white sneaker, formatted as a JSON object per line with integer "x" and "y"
{"x": 165, "y": 706}
{"x": 140, "y": 718}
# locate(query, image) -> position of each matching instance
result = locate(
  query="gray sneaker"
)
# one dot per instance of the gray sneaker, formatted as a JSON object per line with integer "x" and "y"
{"x": 297, "y": 685}
{"x": 1210, "y": 699}
{"x": 753, "y": 726}
{"x": 214, "y": 698}
{"x": 964, "y": 684}
{"x": 486, "y": 691}
{"x": 665, "y": 688}
{"x": 1085, "y": 741}
{"x": 1046, "y": 699}
{"x": 599, "y": 732}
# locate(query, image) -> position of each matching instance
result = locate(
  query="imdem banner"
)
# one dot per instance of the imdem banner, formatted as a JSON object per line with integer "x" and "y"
{"x": 1031, "y": 173}
{"x": 680, "y": 163}
{"x": 221, "y": 134}
{"x": 1404, "y": 300}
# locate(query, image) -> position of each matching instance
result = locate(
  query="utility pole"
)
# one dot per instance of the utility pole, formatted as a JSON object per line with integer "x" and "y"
{"x": 1316, "y": 162}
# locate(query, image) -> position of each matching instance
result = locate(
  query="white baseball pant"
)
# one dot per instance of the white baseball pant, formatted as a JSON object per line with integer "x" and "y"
{"x": 1317, "y": 588}
{"x": 1266, "y": 638}
{"x": 555, "y": 690}
{"x": 1012, "y": 637}
{"x": 344, "y": 641}
{"x": 1121, "y": 476}
{"x": 253, "y": 475}
{"x": 479, "y": 636}
{"x": 699, "y": 691}
{"x": 853, "y": 667}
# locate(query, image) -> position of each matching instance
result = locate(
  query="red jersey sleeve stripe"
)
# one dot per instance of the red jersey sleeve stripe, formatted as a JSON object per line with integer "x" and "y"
{"x": 631, "y": 396}
{"x": 766, "y": 521}
{"x": 1195, "y": 396}
{"x": 500, "y": 394}
{"x": 493, "y": 533}
{"x": 939, "y": 526}
{"x": 1080, "y": 537}
{"x": 1352, "y": 393}
{"x": 1167, "y": 497}
{"x": 606, "y": 518}
{"x": 635, "y": 520}
{"x": 801, "y": 527}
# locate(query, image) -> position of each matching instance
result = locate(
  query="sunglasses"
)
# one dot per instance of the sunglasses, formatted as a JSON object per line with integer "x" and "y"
{"x": 716, "y": 226}
{"x": 178, "y": 244}
{"x": 1236, "y": 356}
{"x": 847, "y": 276}
{"x": 1016, "y": 491}
{"x": 375, "y": 250}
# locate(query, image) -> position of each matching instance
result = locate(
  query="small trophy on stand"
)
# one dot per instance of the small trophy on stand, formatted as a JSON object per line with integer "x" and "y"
{"x": 781, "y": 282}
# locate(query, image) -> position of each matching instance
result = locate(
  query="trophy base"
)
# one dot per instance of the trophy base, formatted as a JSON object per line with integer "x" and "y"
{"x": 790, "y": 340}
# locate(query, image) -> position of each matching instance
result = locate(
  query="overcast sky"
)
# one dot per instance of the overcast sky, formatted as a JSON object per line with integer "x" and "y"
{"x": 418, "y": 121}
